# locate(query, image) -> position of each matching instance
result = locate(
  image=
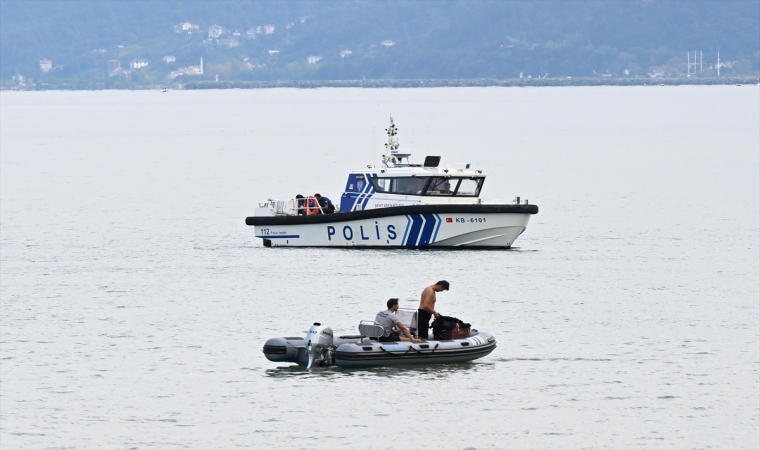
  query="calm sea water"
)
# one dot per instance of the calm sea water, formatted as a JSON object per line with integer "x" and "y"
{"x": 135, "y": 301}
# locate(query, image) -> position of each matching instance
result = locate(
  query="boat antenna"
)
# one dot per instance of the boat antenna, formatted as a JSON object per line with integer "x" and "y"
{"x": 392, "y": 143}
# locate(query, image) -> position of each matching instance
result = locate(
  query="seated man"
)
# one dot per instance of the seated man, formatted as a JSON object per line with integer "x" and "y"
{"x": 389, "y": 321}
{"x": 325, "y": 203}
{"x": 301, "y": 204}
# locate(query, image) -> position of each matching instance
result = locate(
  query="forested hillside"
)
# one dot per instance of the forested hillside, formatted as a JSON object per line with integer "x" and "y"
{"x": 273, "y": 40}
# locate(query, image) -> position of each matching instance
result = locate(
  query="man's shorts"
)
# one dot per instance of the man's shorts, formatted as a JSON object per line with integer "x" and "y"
{"x": 394, "y": 337}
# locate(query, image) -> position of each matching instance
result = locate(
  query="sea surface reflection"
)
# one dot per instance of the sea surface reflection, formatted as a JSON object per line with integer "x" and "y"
{"x": 135, "y": 301}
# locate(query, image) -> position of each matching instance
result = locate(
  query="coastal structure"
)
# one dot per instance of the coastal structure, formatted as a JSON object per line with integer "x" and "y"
{"x": 214, "y": 31}
{"x": 138, "y": 63}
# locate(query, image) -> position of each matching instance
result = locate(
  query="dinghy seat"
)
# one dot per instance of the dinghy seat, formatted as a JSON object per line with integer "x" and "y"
{"x": 371, "y": 329}
{"x": 409, "y": 318}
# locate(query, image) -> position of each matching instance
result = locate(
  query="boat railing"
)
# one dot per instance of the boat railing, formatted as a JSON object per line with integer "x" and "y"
{"x": 371, "y": 329}
{"x": 292, "y": 206}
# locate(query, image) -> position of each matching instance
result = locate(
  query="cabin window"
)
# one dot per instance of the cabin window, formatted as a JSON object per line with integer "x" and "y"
{"x": 401, "y": 185}
{"x": 443, "y": 186}
{"x": 409, "y": 185}
{"x": 381, "y": 184}
{"x": 470, "y": 186}
{"x": 450, "y": 186}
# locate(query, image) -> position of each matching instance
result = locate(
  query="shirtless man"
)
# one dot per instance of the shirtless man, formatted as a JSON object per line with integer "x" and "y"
{"x": 427, "y": 307}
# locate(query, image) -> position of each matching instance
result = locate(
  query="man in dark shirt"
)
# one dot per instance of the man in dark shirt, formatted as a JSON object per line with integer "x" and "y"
{"x": 301, "y": 203}
{"x": 325, "y": 203}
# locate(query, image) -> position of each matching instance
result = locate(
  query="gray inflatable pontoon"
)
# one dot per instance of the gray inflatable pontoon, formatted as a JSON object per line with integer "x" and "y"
{"x": 320, "y": 348}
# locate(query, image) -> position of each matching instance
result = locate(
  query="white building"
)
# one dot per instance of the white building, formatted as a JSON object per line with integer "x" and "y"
{"x": 185, "y": 26}
{"x": 46, "y": 65}
{"x": 388, "y": 43}
{"x": 169, "y": 59}
{"x": 274, "y": 52}
{"x": 313, "y": 59}
{"x": 344, "y": 53}
{"x": 214, "y": 31}
{"x": 138, "y": 63}
{"x": 268, "y": 29}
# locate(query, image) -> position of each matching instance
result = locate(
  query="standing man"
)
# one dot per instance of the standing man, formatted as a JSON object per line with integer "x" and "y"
{"x": 389, "y": 320}
{"x": 427, "y": 307}
{"x": 325, "y": 203}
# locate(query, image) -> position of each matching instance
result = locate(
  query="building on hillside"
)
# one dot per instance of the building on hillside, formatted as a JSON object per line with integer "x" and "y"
{"x": 231, "y": 42}
{"x": 191, "y": 70}
{"x": 138, "y": 63}
{"x": 388, "y": 43}
{"x": 302, "y": 19}
{"x": 313, "y": 59}
{"x": 46, "y": 65}
{"x": 344, "y": 53}
{"x": 268, "y": 29}
{"x": 251, "y": 34}
{"x": 186, "y": 26}
{"x": 274, "y": 52}
{"x": 169, "y": 59}
{"x": 236, "y": 33}
{"x": 114, "y": 65}
{"x": 214, "y": 31}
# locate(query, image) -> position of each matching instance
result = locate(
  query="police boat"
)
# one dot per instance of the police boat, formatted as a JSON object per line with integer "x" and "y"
{"x": 398, "y": 205}
{"x": 321, "y": 349}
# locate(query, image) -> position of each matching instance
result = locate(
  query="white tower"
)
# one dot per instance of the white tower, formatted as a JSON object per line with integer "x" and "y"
{"x": 201, "y": 65}
{"x": 718, "y": 66}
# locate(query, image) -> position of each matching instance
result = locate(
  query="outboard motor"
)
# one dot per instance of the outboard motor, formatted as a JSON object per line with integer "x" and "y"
{"x": 319, "y": 345}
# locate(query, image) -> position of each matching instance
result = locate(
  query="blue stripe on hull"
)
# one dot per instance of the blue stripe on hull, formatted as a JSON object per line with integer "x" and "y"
{"x": 414, "y": 232}
{"x": 427, "y": 230}
{"x": 437, "y": 227}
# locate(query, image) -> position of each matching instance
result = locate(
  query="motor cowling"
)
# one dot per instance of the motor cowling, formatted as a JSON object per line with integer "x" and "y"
{"x": 319, "y": 345}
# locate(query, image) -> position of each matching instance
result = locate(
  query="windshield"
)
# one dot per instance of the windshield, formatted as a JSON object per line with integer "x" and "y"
{"x": 405, "y": 185}
{"x": 434, "y": 186}
{"x": 461, "y": 187}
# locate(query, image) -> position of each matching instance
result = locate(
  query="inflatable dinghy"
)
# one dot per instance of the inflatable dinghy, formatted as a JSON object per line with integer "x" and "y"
{"x": 320, "y": 348}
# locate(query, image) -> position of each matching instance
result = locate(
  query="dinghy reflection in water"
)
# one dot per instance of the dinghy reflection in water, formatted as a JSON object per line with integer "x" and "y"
{"x": 398, "y": 205}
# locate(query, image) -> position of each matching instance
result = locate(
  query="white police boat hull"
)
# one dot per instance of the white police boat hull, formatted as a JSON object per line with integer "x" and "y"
{"x": 321, "y": 349}
{"x": 438, "y": 226}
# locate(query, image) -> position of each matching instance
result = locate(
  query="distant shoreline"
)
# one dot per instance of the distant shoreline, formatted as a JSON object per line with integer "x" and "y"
{"x": 478, "y": 82}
